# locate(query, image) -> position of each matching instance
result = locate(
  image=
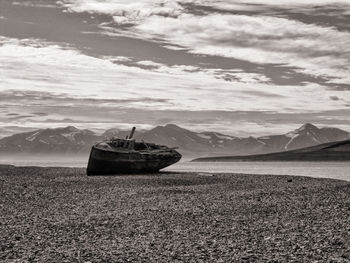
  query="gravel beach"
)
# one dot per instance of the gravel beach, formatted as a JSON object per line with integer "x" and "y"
{"x": 62, "y": 215}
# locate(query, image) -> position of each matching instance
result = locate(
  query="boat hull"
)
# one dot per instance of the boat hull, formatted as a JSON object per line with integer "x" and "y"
{"x": 104, "y": 162}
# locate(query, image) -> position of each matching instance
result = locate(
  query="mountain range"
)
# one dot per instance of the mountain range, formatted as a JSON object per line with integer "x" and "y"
{"x": 70, "y": 140}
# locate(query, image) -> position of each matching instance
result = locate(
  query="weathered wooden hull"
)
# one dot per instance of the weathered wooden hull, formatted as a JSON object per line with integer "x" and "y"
{"x": 104, "y": 162}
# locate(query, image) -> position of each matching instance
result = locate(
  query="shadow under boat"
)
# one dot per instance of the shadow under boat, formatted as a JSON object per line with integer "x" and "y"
{"x": 126, "y": 156}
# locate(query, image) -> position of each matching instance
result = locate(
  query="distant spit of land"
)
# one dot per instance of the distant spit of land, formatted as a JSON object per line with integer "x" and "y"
{"x": 62, "y": 215}
{"x": 332, "y": 151}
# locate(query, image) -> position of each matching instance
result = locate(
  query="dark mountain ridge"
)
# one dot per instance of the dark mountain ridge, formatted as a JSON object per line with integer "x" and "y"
{"x": 70, "y": 140}
{"x": 43, "y": 141}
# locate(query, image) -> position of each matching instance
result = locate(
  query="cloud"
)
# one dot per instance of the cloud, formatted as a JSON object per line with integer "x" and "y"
{"x": 254, "y": 5}
{"x": 61, "y": 71}
{"x": 117, "y": 59}
{"x": 135, "y": 11}
{"x": 238, "y": 75}
{"x": 259, "y": 38}
{"x": 125, "y": 11}
{"x": 227, "y": 75}
{"x": 203, "y": 64}
{"x": 149, "y": 63}
{"x": 287, "y": 3}
{"x": 334, "y": 97}
{"x": 34, "y": 4}
{"x": 62, "y": 83}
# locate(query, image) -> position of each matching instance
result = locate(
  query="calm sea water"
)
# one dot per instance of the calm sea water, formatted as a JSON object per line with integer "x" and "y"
{"x": 336, "y": 170}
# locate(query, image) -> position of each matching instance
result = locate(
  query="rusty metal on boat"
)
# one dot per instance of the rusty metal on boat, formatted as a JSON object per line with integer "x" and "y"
{"x": 126, "y": 156}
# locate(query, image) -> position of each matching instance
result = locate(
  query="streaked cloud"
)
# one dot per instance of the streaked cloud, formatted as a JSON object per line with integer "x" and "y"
{"x": 60, "y": 70}
{"x": 149, "y": 63}
{"x": 34, "y": 3}
{"x": 280, "y": 64}
{"x": 260, "y": 38}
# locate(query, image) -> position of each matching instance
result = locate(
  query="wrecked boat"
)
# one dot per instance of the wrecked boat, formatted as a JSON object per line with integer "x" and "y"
{"x": 125, "y": 156}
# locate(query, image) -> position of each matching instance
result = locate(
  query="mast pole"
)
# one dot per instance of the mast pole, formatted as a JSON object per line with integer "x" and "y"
{"x": 132, "y": 132}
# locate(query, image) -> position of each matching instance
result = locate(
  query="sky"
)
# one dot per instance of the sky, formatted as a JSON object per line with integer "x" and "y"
{"x": 240, "y": 67}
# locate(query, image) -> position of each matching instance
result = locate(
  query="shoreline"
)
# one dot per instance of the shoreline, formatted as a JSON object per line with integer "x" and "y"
{"x": 160, "y": 173}
{"x": 60, "y": 214}
{"x": 335, "y": 170}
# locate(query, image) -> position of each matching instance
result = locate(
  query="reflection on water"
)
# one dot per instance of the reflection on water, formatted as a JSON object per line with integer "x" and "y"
{"x": 337, "y": 170}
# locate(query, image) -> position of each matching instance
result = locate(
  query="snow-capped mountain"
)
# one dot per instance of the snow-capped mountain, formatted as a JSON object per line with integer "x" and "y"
{"x": 305, "y": 136}
{"x": 59, "y": 140}
{"x": 73, "y": 140}
{"x": 309, "y": 135}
